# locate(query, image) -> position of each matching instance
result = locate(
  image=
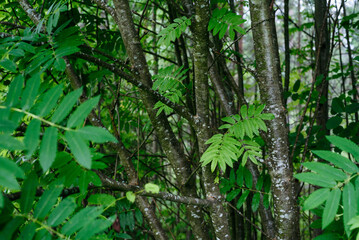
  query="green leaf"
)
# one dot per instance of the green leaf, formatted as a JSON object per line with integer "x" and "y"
{"x": 49, "y": 101}
{"x": 77, "y": 221}
{"x": 65, "y": 51}
{"x": 66, "y": 105}
{"x": 79, "y": 148}
{"x": 30, "y": 92}
{"x": 27, "y": 47}
{"x": 96, "y": 134}
{"x": 28, "y": 231}
{"x": 10, "y": 143}
{"x": 244, "y": 111}
{"x": 345, "y": 145}
{"x": 94, "y": 227}
{"x": 259, "y": 110}
{"x": 82, "y": 112}
{"x": 316, "y": 179}
{"x": 331, "y": 207}
{"x": 48, "y": 148}
{"x": 316, "y": 198}
{"x": 14, "y": 93}
{"x": 255, "y": 201}
{"x": 334, "y": 122}
{"x": 152, "y": 188}
{"x": 11, "y": 168}
{"x": 8, "y": 64}
{"x": 28, "y": 191}
{"x": 338, "y": 160}
{"x": 61, "y": 212}
{"x": 296, "y": 86}
{"x": 60, "y": 64}
{"x": 242, "y": 199}
{"x": 326, "y": 170}
{"x": 102, "y": 199}
{"x": 231, "y": 195}
{"x": 48, "y": 200}
{"x": 32, "y": 136}
{"x": 131, "y": 197}
{"x": 350, "y": 205}
{"x": 267, "y": 116}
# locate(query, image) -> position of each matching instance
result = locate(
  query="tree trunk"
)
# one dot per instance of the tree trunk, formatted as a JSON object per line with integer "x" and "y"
{"x": 270, "y": 86}
{"x": 168, "y": 141}
{"x": 218, "y": 214}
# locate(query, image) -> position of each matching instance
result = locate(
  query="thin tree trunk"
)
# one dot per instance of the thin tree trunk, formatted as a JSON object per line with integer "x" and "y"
{"x": 287, "y": 49}
{"x": 322, "y": 47}
{"x": 351, "y": 67}
{"x": 219, "y": 216}
{"x": 168, "y": 141}
{"x": 269, "y": 80}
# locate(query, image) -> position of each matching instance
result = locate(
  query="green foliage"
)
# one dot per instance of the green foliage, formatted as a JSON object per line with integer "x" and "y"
{"x": 168, "y": 82}
{"x": 223, "y": 20}
{"x": 339, "y": 182}
{"x": 237, "y": 141}
{"x": 240, "y": 185}
{"x": 173, "y": 31}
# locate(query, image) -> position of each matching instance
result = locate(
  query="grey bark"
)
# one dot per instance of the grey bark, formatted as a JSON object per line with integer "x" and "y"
{"x": 269, "y": 81}
{"x": 322, "y": 47}
{"x": 219, "y": 216}
{"x": 165, "y": 135}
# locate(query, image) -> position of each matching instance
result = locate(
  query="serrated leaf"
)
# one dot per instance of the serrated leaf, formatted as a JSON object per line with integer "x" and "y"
{"x": 267, "y": 116}
{"x": 244, "y": 111}
{"x": 345, "y": 145}
{"x": 32, "y": 136}
{"x": 28, "y": 191}
{"x": 48, "y": 200}
{"x": 316, "y": 198}
{"x": 338, "y": 160}
{"x": 81, "y": 113}
{"x": 10, "y": 143}
{"x": 79, "y": 148}
{"x": 259, "y": 110}
{"x": 66, "y": 105}
{"x": 102, "y": 199}
{"x": 242, "y": 199}
{"x": 30, "y": 92}
{"x": 331, "y": 207}
{"x": 131, "y": 197}
{"x": 10, "y": 167}
{"x": 48, "y": 148}
{"x": 326, "y": 170}
{"x": 96, "y": 134}
{"x": 49, "y": 101}
{"x": 62, "y": 211}
{"x": 350, "y": 205}
{"x": 152, "y": 188}
{"x": 255, "y": 201}
{"x": 65, "y": 51}
{"x": 77, "y": 221}
{"x": 231, "y": 195}
{"x": 8, "y": 64}
{"x": 14, "y": 93}
{"x": 316, "y": 179}
{"x": 94, "y": 227}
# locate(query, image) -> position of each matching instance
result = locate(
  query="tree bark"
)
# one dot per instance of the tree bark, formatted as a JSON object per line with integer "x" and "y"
{"x": 168, "y": 141}
{"x": 219, "y": 216}
{"x": 270, "y": 86}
